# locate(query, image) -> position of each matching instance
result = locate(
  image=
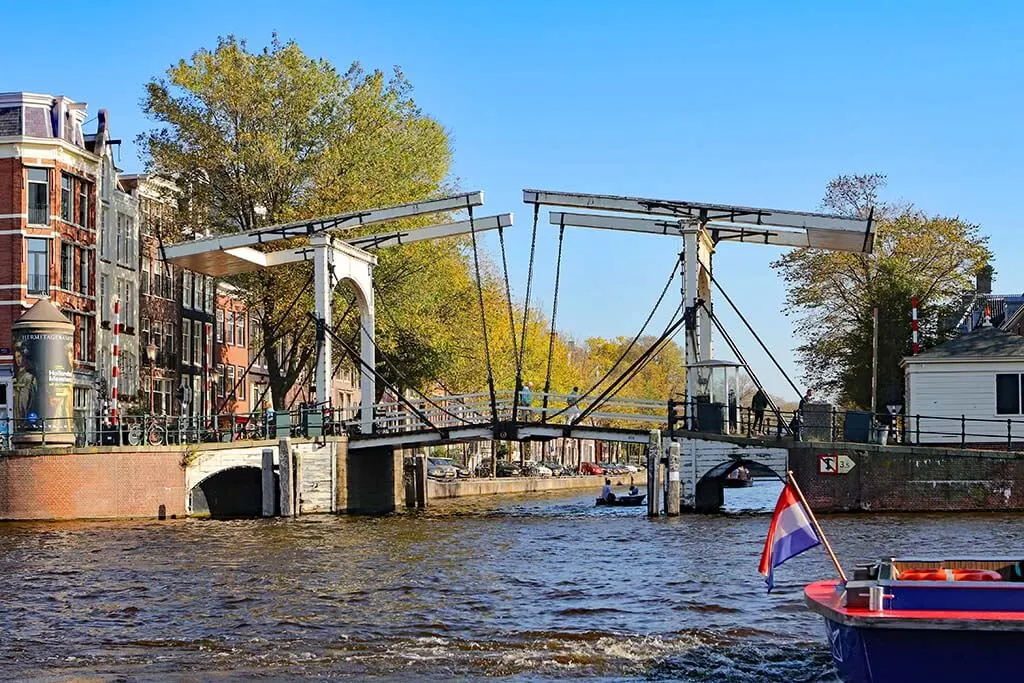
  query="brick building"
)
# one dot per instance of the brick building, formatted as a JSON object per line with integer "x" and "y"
{"x": 48, "y": 232}
{"x": 234, "y": 382}
{"x": 159, "y": 292}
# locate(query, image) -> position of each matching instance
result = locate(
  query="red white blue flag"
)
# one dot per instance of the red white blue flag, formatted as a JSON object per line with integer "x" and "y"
{"x": 790, "y": 533}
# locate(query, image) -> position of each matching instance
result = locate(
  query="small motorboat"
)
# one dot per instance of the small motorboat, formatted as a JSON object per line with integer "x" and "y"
{"x": 925, "y": 620}
{"x": 738, "y": 478}
{"x": 625, "y": 500}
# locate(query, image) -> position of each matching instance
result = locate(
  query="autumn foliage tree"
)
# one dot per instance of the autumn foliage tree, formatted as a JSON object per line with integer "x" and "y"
{"x": 832, "y": 294}
{"x": 254, "y": 138}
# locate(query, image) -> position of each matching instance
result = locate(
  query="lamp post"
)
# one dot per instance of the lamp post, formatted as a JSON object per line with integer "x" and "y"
{"x": 151, "y": 355}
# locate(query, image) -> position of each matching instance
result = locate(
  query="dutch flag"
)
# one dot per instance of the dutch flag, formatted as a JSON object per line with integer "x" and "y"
{"x": 790, "y": 533}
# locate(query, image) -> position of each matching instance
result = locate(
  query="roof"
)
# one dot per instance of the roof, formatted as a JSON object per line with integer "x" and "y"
{"x": 984, "y": 343}
{"x": 43, "y": 311}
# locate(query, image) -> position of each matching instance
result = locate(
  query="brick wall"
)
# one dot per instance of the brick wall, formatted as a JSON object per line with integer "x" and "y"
{"x": 910, "y": 479}
{"x": 92, "y": 484}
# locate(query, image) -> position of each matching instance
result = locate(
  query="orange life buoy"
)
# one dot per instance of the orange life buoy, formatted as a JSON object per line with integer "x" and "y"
{"x": 949, "y": 575}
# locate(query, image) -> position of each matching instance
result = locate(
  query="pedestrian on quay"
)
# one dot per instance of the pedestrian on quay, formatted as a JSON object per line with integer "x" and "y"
{"x": 758, "y": 405}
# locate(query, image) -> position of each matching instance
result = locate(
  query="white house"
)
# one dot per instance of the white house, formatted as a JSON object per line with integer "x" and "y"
{"x": 968, "y": 389}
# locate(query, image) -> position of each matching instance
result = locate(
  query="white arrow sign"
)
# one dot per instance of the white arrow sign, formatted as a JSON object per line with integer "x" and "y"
{"x": 845, "y": 464}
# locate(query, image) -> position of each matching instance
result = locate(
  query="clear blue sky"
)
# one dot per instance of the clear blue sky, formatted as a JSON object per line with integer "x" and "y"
{"x": 733, "y": 102}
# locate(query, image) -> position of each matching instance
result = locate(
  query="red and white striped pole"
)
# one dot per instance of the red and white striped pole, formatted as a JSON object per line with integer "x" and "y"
{"x": 913, "y": 323}
{"x": 114, "y": 362}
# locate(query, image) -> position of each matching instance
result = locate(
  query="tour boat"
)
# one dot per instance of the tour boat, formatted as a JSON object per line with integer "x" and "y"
{"x": 925, "y": 620}
{"x": 624, "y": 500}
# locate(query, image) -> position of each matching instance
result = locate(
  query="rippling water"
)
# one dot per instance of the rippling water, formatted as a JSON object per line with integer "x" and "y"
{"x": 533, "y": 588}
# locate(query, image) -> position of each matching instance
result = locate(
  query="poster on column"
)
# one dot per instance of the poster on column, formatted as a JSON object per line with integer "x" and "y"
{"x": 43, "y": 380}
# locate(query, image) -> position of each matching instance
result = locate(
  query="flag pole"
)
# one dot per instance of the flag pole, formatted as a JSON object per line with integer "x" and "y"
{"x": 817, "y": 527}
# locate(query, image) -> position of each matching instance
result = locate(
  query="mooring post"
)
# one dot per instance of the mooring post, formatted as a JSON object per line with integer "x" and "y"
{"x": 284, "y": 471}
{"x": 421, "y": 481}
{"x": 672, "y": 494}
{"x": 267, "y": 472}
{"x": 653, "y": 470}
{"x": 296, "y": 482}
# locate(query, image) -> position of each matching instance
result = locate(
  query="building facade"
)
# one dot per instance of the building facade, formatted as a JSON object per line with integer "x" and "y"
{"x": 117, "y": 275}
{"x": 159, "y": 293}
{"x": 48, "y": 231}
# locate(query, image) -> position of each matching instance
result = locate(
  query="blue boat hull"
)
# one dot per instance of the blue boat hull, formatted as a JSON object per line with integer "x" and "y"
{"x": 884, "y": 655}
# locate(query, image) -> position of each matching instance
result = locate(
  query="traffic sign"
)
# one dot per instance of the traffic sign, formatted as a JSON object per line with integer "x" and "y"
{"x": 834, "y": 464}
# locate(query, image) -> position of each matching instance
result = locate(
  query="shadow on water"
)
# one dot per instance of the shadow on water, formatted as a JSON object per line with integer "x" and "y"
{"x": 533, "y": 587}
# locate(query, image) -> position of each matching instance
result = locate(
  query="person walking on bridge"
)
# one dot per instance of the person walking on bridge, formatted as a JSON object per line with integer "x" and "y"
{"x": 572, "y": 403}
{"x": 758, "y": 404}
{"x": 526, "y": 400}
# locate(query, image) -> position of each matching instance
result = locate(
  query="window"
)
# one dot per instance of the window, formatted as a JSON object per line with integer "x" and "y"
{"x": 84, "y": 271}
{"x": 197, "y": 291}
{"x": 67, "y": 198}
{"x": 220, "y": 326}
{"x": 144, "y": 334}
{"x": 197, "y": 342}
{"x": 144, "y": 280}
{"x": 84, "y": 190}
{"x": 82, "y": 347}
{"x": 67, "y": 266}
{"x": 186, "y": 342}
{"x": 1008, "y": 394}
{"x": 186, "y": 289}
{"x": 240, "y": 328}
{"x": 209, "y": 295}
{"x": 231, "y": 327}
{"x": 158, "y": 279}
{"x": 208, "y": 344}
{"x": 102, "y": 303}
{"x": 229, "y": 388}
{"x": 241, "y": 383}
{"x": 105, "y": 231}
{"x": 38, "y": 196}
{"x": 38, "y": 266}
{"x": 168, "y": 280}
{"x": 170, "y": 334}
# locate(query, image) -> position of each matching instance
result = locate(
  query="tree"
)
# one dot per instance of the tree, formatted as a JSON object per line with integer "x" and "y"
{"x": 832, "y": 294}
{"x": 264, "y": 137}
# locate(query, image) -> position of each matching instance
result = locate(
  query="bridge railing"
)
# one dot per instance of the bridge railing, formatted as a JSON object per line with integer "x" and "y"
{"x": 825, "y": 423}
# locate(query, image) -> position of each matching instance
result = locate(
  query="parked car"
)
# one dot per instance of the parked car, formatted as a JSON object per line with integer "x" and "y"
{"x": 441, "y": 468}
{"x": 536, "y": 469}
{"x": 591, "y": 468}
{"x": 509, "y": 469}
{"x": 504, "y": 468}
{"x": 460, "y": 471}
{"x": 557, "y": 470}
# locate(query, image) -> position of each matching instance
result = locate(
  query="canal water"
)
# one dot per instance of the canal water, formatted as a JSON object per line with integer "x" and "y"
{"x": 529, "y": 588}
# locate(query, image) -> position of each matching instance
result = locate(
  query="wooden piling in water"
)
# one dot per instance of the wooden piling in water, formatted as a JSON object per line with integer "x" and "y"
{"x": 653, "y": 472}
{"x": 672, "y": 486}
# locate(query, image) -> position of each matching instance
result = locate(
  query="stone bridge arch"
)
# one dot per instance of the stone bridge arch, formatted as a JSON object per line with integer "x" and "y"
{"x": 227, "y": 482}
{"x": 705, "y": 463}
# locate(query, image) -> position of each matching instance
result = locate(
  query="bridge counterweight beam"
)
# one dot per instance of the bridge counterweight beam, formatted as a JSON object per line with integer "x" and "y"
{"x": 322, "y": 254}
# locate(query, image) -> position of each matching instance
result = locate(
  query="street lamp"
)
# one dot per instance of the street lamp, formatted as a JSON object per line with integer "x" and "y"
{"x": 151, "y": 355}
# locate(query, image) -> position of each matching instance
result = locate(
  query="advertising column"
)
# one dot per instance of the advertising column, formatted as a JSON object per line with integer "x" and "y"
{"x": 43, "y": 377}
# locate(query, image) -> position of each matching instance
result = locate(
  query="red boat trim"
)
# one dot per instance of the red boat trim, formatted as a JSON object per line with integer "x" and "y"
{"x": 821, "y": 597}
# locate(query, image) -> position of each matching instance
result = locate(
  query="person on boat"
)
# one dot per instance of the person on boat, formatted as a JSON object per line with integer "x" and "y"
{"x": 606, "y": 492}
{"x": 633, "y": 490}
{"x": 758, "y": 404}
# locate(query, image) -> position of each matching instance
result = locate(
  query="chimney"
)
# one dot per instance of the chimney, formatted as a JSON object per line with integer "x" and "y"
{"x": 983, "y": 280}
